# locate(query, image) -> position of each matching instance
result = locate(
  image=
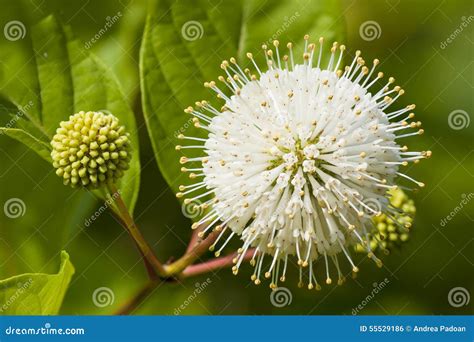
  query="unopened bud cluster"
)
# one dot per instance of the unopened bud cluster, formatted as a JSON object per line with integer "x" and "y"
{"x": 389, "y": 234}
{"x": 90, "y": 149}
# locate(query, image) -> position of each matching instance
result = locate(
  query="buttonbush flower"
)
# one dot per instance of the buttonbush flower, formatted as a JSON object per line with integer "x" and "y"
{"x": 90, "y": 150}
{"x": 294, "y": 157}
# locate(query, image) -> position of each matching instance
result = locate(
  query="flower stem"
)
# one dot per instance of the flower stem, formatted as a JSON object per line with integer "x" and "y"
{"x": 194, "y": 239}
{"x": 190, "y": 257}
{"x": 190, "y": 271}
{"x": 142, "y": 294}
{"x": 183, "y": 268}
{"x": 151, "y": 262}
{"x": 215, "y": 264}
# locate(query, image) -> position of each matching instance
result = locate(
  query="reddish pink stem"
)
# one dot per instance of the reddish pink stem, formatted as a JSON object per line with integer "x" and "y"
{"x": 215, "y": 264}
{"x": 194, "y": 239}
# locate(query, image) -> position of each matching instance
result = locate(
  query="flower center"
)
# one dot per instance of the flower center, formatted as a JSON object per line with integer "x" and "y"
{"x": 294, "y": 156}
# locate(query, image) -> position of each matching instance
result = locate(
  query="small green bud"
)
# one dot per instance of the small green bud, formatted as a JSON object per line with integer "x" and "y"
{"x": 91, "y": 149}
{"x": 387, "y": 234}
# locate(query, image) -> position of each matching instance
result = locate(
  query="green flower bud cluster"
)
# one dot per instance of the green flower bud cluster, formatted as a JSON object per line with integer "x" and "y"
{"x": 91, "y": 149}
{"x": 387, "y": 234}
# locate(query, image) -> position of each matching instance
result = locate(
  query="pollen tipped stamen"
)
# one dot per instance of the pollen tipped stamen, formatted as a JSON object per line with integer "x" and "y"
{"x": 291, "y": 158}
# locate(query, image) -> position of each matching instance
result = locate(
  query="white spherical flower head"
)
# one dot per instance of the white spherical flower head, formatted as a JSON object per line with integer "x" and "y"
{"x": 296, "y": 158}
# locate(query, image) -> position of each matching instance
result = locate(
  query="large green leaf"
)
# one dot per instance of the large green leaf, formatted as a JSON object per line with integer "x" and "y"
{"x": 174, "y": 66}
{"x": 36, "y": 293}
{"x": 40, "y": 147}
{"x": 69, "y": 79}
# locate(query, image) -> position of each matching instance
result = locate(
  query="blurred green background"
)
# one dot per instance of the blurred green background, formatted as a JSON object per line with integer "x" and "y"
{"x": 411, "y": 42}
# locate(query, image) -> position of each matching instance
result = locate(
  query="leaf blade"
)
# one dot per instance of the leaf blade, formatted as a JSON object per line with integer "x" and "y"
{"x": 169, "y": 84}
{"x": 40, "y": 147}
{"x": 54, "y": 76}
{"x": 71, "y": 80}
{"x": 96, "y": 89}
{"x": 36, "y": 293}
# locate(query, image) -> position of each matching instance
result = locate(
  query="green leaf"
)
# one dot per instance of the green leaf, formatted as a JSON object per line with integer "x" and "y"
{"x": 40, "y": 147}
{"x": 19, "y": 79}
{"x": 36, "y": 293}
{"x": 54, "y": 74}
{"x": 69, "y": 80}
{"x": 173, "y": 69}
{"x": 96, "y": 87}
